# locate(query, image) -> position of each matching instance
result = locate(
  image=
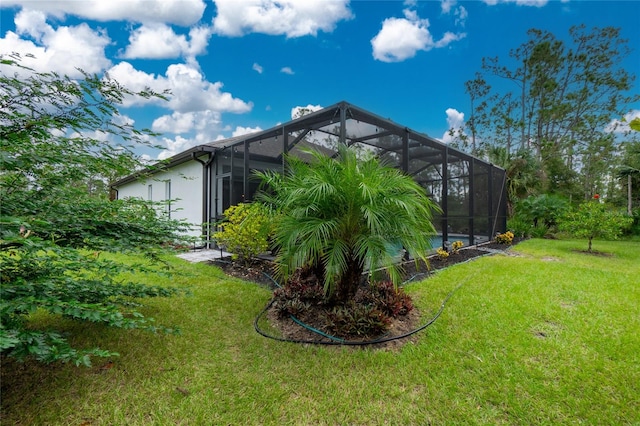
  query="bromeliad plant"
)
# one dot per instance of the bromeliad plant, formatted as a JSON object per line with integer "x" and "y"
{"x": 341, "y": 215}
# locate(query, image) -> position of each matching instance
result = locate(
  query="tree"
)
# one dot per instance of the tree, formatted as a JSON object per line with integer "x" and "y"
{"x": 592, "y": 220}
{"x": 341, "y": 215}
{"x": 55, "y": 213}
{"x": 564, "y": 97}
{"x": 522, "y": 173}
{"x": 629, "y": 172}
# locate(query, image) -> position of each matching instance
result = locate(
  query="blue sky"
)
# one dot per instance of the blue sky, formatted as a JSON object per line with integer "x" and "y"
{"x": 235, "y": 66}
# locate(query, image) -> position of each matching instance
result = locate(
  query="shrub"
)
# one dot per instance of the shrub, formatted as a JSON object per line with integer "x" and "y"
{"x": 246, "y": 230}
{"x": 55, "y": 213}
{"x": 593, "y": 219}
{"x": 634, "y": 226}
{"x": 357, "y": 320}
{"x": 369, "y": 313}
{"x": 506, "y": 238}
{"x": 390, "y": 299}
{"x": 520, "y": 227}
{"x": 456, "y": 246}
{"x": 286, "y": 307}
{"x": 442, "y": 253}
{"x": 538, "y": 215}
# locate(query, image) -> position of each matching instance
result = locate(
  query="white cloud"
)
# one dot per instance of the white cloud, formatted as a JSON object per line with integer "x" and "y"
{"x": 299, "y": 111}
{"x": 622, "y": 126}
{"x": 287, "y": 70}
{"x": 178, "y": 122}
{"x": 257, "y": 68}
{"x": 446, "y": 5}
{"x": 293, "y": 18}
{"x": 175, "y": 146}
{"x": 62, "y": 49}
{"x": 180, "y": 143}
{"x": 536, "y": 3}
{"x": 179, "y": 12}
{"x": 455, "y": 118}
{"x": 455, "y": 121}
{"x": 239, "y": 131}
{"x": 402, "y": 38}
{"x": 199, "y": 40}
{"x": 159, "y": 41}
{"x": 190, "y": 91}
{"x": 461, "y": 15}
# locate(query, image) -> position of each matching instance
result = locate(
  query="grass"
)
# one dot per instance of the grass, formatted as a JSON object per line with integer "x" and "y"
{"x": 549, "y": 336}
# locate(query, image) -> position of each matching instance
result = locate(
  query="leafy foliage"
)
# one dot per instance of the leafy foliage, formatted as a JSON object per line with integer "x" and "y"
{"x": 540, "y": 213}
{"x": 355, "y": 319}
{"x": 369, "y": 314}
{"x": 246, "y": 230}
{"x": 388, "y": 298}
{"x": 55, "y": 214}
{"x": 593, "y": 219}
{"x": 554, "y": 130}
{"x": 634, "y": 228}
{"x": 340, "y": 215}
{"x": 300, "y": 292}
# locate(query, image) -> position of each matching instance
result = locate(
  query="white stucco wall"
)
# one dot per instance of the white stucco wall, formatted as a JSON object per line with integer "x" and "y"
{"x": 185, "y": 189}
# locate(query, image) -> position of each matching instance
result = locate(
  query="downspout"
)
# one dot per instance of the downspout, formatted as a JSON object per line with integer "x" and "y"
{"x": 205, "y": 196}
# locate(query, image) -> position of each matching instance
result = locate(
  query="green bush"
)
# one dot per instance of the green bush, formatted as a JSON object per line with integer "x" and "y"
{"x": 634, "y": 226}
{"x": 593, "y": 219}
{"x": 246, "y": 230}
{"x": 55, "y": 213}
{"x": 520, "y": 227}
{"x": 539, "y": 215}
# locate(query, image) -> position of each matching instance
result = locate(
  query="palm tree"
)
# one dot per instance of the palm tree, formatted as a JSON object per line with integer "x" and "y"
{"x": 341, "y": 215}
{"x": 523, "y": 172}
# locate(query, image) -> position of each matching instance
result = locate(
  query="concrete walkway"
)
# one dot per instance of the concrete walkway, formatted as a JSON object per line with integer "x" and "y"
{"x": 203, "y": 255}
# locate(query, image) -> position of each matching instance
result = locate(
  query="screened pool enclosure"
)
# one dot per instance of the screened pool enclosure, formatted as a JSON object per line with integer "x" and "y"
{"x": 470, "y": 191}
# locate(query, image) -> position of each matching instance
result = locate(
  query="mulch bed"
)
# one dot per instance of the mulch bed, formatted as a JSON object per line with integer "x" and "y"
{"x": 259, "y": 271}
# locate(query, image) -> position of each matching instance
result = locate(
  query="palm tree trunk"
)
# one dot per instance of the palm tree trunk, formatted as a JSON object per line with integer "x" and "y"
{"x": 349, "y": 281}
{"x": 629, "y": 195}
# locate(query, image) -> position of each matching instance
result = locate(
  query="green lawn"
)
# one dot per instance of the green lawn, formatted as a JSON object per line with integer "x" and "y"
{"x": 544, "y": 335}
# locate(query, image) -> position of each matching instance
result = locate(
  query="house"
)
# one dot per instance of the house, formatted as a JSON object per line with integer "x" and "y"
{"x": 205, "y": 180}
